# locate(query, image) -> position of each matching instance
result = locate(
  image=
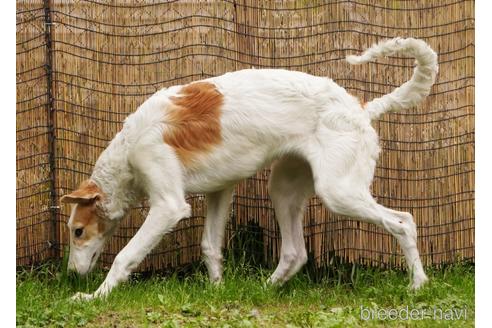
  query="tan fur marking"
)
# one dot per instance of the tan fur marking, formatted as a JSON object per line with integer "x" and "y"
{"x": 87, "y": 191}
{"x": 86, "y": 217}
{"x": 194, "y": 120}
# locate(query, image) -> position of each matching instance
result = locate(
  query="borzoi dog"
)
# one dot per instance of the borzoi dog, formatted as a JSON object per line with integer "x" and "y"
{"x": 206, "y": 136}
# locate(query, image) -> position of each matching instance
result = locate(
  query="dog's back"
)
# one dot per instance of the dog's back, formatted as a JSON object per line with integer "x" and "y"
{"x": 261, "y": 114}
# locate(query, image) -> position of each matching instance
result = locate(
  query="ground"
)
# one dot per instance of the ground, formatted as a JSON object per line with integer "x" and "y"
{"x": 351, "y": 296}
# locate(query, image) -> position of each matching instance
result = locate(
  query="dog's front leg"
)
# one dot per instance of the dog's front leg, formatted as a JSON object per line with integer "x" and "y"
{"x": 162, "y": 217}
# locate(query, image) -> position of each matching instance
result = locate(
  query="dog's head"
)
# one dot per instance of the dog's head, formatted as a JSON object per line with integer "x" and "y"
{"x": 88, "y": 225}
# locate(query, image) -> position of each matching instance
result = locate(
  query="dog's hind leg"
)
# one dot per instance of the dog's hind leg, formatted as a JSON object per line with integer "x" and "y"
{"x": 290, "y": 185}
{"x": 218, "y": 204}
{"x": 346, "y": 192}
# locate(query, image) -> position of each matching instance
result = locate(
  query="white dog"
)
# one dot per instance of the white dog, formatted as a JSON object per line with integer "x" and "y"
{"x": 206, "y": 136}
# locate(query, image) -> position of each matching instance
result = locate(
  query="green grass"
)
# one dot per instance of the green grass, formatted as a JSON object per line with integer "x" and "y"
{"x": 244, "y": 299}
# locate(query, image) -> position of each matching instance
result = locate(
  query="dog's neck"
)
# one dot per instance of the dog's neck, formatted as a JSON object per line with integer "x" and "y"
{"x": 112, "y": 173}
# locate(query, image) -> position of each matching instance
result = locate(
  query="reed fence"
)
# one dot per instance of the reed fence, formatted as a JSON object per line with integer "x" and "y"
{"x": 83, "y": 66}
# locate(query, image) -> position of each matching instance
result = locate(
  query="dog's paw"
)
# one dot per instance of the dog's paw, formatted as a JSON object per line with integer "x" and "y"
{"x": 82, "y": 297}
{"x": 274, "y": 280}
{"x": 418, "y": 282}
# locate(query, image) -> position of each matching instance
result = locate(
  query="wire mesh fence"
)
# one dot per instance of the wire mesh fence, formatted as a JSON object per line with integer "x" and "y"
{"x": 83, "y": 66}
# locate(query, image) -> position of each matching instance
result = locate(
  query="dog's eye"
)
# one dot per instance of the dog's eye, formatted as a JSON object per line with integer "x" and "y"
{"x": 78, "y": 232}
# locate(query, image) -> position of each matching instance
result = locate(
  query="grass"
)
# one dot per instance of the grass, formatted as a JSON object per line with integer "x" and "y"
{"x": 245, "y": 300}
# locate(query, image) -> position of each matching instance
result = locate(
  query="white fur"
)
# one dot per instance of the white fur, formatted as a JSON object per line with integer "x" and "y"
{"x": 317, "y": 136}
{"x": 412, "y": 92}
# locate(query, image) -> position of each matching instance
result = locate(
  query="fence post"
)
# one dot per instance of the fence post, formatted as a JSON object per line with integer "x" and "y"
{"x": 53, "y": 206}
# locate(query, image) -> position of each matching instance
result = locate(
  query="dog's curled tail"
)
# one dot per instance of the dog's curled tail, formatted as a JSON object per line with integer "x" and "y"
{"x": 411, "y": 92}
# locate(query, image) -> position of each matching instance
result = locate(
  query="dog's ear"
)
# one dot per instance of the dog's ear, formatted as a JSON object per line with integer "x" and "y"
{"x": 87, "y": 192}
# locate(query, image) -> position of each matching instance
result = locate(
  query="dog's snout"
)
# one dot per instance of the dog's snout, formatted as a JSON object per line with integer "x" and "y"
{"x": 81, "y": 267}
{"x": 71, "y": 266}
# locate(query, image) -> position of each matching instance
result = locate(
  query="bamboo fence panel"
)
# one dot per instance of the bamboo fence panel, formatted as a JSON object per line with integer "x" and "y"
{"x": 79, "y": 77}
{"x": 34, "y": 222}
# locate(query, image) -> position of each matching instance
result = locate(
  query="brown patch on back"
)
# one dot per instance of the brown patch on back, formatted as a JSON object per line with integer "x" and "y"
{"x": 193, "y": 120}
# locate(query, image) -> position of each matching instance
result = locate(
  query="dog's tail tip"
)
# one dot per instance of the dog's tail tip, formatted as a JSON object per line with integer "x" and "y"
{"x": 354, "y": 60}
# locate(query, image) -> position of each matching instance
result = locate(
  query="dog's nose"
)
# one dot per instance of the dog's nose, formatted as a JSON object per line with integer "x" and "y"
{"x": 71, "y": 266}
